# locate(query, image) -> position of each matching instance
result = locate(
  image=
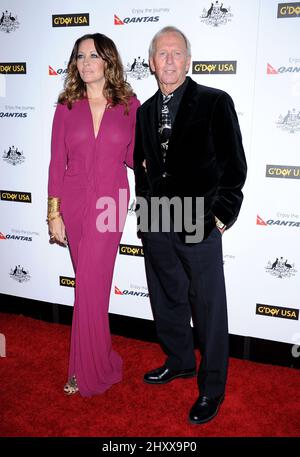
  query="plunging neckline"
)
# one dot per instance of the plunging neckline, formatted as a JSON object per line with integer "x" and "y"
{"x": 95, "y": 135}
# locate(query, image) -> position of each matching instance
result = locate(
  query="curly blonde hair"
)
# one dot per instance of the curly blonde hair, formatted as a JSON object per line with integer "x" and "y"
{"x": 116, "y": 90}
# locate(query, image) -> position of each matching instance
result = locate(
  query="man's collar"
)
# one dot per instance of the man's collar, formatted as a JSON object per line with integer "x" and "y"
{"x": 179, "y": 90}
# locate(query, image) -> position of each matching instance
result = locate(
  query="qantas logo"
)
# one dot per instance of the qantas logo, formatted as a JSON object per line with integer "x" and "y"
{"x": 52, "y": 72}
{"x": 282, "y": 69}
{"x": 271, "y": 70}
{"x": 259, "y": 221}
{"x": 117, "y": 21}
{"x": 129, "y": 20}
{"x": 135, "y": 293}
{"x": 118, "y": 291}
{"x": 10, "y": 236}
{"x": 59, "y": 71}
{"x": 281, "y": 222}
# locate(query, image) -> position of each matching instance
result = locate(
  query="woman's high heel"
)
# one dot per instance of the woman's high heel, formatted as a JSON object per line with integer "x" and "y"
{"x": 71, "y": 387}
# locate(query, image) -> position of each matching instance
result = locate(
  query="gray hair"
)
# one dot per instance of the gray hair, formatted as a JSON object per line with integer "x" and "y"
{"x": 168, "y": 29}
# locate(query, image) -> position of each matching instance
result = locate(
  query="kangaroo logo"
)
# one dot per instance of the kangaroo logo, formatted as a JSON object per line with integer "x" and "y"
{"x": 280, "y": 268}
{"x": 138, "y": 69}
{"x": 8, "y": 22}
{"x": 216, "y": 15}
{"x": 19, "y": 274}
{"x": 13, "y": 156}
{"x": 290, "y": 122}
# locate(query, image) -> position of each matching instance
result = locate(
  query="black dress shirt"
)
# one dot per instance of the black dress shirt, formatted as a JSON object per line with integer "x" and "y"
{"x": 174, "y": 103}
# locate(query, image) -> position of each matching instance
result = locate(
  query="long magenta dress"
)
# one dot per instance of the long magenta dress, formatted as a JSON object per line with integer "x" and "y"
{"x": 82, "y": 169}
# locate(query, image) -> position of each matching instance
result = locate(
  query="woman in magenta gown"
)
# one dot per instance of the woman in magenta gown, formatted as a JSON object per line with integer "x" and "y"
{"x": 92, "y": 143}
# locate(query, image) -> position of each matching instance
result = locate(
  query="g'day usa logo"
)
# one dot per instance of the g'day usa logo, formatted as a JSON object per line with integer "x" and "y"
{"x": 216, "y": 67}
{"x": 287, "y": 10}
{"x": 66, "y": 281}
{"x": 131, "y": 249}
{"x": 283, "y": 171}
{"x": 14, "y": 196}
{"x": 13, "y": 68}
{"x": 277, "y": 311}
{"x": 70, "y": 20}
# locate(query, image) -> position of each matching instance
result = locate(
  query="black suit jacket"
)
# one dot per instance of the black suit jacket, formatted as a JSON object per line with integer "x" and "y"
{"x": 205, "y": 157}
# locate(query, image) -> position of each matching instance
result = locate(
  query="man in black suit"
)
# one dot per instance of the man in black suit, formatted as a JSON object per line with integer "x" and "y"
{"x": 188, "y": 146}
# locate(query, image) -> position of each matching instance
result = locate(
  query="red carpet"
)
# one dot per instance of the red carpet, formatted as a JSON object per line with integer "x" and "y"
{"x": 261, "y": 400}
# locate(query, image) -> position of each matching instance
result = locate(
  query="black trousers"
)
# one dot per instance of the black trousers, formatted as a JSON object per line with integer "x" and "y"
{"x": 184, "y": 281}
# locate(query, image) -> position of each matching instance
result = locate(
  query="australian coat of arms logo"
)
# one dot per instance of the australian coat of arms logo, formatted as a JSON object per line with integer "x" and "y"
{"x": 13, "y": 156}
{"x": 216, "y": 14}
{"x": 138, "y": 69}
{"x": 19, "y": 274}
{"x": 290, "y": 122}
{"x": 8, "y": 22}
{"x": 281, "y": 268}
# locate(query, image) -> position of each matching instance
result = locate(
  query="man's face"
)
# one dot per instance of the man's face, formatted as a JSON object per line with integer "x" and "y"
{"x": 170, "y": 61}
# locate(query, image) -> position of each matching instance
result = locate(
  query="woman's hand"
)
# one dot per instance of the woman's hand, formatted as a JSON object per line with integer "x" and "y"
{"x": 57, "y": 229}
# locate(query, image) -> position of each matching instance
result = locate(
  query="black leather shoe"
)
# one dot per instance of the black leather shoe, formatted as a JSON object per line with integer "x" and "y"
{"x": 164, "y": 374}
{"x": 205, "y": 409}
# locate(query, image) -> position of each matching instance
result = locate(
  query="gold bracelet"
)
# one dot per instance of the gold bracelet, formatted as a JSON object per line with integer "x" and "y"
{"x": 51, "y": 218}
{"x": 53, "y": 205}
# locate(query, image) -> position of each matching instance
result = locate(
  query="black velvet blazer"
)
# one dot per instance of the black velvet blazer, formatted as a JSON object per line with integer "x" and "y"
{"x": 205, "y": 157}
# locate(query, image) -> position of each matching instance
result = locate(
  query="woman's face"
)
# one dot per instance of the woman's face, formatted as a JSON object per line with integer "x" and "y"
{"x": 89, "y": 64}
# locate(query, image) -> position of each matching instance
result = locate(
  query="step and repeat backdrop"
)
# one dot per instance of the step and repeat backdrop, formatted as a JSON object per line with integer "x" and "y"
{"x": 250, "y": 50}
